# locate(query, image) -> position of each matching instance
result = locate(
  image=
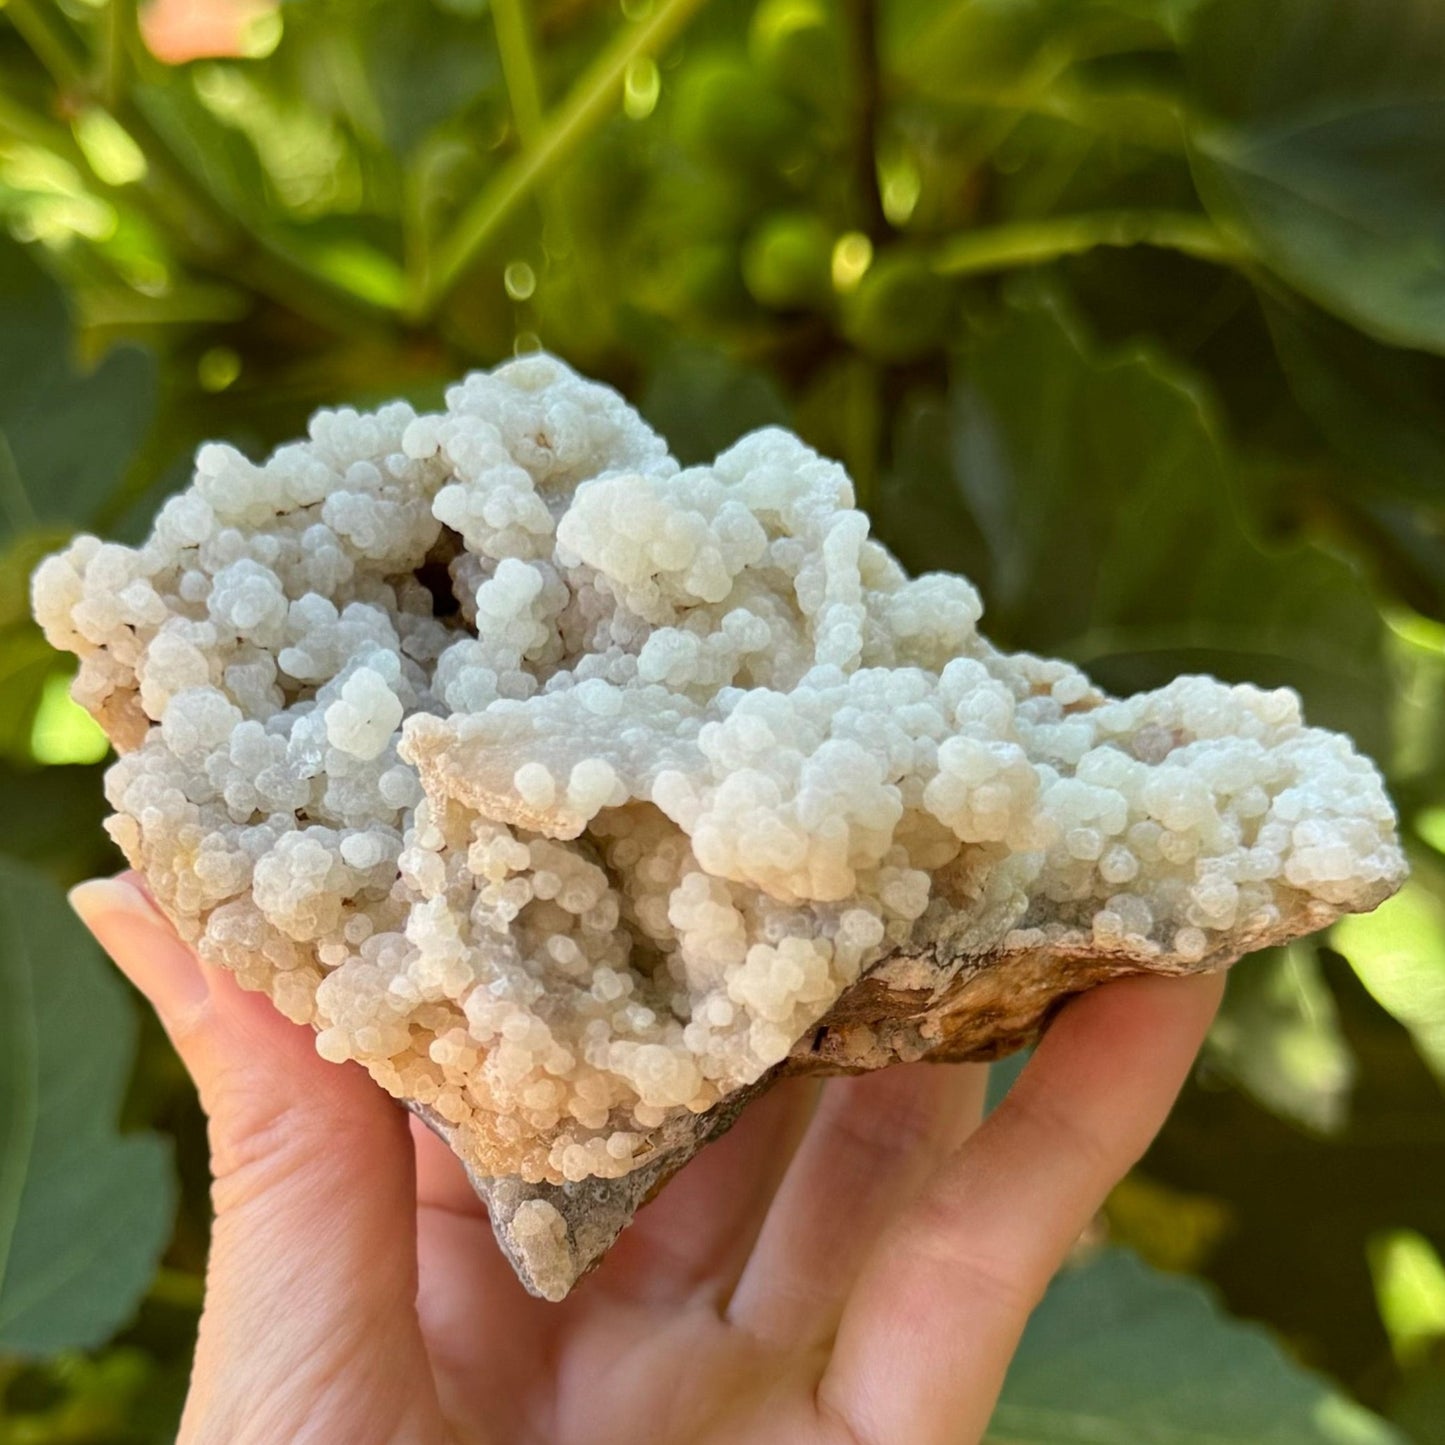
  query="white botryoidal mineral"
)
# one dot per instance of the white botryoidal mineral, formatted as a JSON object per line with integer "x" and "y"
{"x": 566, "y": 788}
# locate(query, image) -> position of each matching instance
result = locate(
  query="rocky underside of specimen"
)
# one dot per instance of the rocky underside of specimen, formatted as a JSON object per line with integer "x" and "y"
{"x": 579, "y": 796}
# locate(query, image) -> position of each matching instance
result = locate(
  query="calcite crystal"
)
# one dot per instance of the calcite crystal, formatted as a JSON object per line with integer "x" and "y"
{"x": 578, "y": 795}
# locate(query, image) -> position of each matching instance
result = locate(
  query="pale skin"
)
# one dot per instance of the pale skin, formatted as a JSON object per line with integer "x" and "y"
{"x": 852, "y": 1265}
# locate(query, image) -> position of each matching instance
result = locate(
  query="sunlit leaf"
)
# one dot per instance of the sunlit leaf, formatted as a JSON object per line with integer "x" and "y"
{"x": 1430, "y": 825}
{"x": 63, "y": 732}
{"x": 27, "y": 661}
{"x": 1417, "y": 652}
{"x": 1410, "y": 1287}
{"x": 1278, "y": 1037}
{"x": 1399, "y": 954}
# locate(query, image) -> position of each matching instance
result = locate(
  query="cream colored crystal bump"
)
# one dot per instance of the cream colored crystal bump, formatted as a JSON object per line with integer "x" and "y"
{"x": 567, "y": 789}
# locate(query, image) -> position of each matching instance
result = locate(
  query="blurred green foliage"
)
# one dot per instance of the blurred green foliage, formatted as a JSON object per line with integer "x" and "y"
{"x": 1133, "y": 310}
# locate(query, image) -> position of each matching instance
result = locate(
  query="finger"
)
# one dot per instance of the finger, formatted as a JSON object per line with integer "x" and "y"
{"x": 694, "y": 1238}
{"x": 939, "y": 1308}
{"x": 312, "y": 1271}
{"x": 441, "y": 1181}
{"x": 469, "y": 1299}
{"x": 487, "y": 1339}
{"x": 872, "y": 1143}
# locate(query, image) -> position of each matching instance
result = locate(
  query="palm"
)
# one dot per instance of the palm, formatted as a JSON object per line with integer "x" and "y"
{"x": 711, "y": 1319}
{"x": 852, "y": 1263}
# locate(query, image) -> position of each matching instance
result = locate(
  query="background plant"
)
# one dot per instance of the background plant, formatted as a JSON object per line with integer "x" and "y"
{"x": 1132, "y": 310}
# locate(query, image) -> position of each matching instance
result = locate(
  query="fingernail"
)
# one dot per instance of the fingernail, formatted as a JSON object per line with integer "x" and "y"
{"x": 142, "y": 942}
{"x": 99, "y": 898}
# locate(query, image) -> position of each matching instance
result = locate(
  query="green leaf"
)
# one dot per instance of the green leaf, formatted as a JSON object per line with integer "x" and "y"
{"x": 1398, "y": 952}
{"x": 1118, "y": 1353}
{"x": 84, "y": 1211}
{"x": 71, "y": 436}
{"x": 63, "y": 732}
{"x": 219, "y": 161}
{"x": 52, "y": 817}
{"x": 1092, "y": 498}
{"x": 27, "y": 661}
{"x": 425, "y": 66}
{"x": 1317, "y": 135}
{"x": 702, "y": 401}
{"x": 74, "y": 446}
{"x": 1419, "y": 1408}
{"x": 1278, "y": 1037}
{"x": 34, "y": 315}
{"x": 1410, "y": 1289}
{"x": 66, "y": 441}
{"x": 1381, "y": 407}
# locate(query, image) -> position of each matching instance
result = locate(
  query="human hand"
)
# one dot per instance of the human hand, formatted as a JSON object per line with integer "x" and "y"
{"x": 852, "y": 1264}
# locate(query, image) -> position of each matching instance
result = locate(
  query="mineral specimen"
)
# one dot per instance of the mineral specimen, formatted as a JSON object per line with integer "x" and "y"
{"x": 578, "y": 795}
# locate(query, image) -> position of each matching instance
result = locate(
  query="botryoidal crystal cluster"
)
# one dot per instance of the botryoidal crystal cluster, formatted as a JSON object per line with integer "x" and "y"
{"x": 566, "y": 788}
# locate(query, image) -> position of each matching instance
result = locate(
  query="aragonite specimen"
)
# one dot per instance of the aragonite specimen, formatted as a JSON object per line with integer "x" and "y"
{"x": 577, "y": 794}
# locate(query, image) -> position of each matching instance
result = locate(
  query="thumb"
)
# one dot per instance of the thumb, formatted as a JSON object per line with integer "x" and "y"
{"x": 312, "y": 1272}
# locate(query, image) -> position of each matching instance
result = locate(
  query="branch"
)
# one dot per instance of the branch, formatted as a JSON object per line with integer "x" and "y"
{"x": 519, "y": 69}
{"x": 861, "y": 18}
{"x": 1032, "y": 243}
{"x": 587, "y": 105}
{"x": 120, "y": 34}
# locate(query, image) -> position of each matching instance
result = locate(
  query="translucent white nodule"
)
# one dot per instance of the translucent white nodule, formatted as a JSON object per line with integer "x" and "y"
{"x": 565, "y": 788}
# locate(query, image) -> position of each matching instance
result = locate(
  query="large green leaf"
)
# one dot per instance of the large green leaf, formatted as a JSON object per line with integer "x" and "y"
{"x": 1382, "y": 411}
{"x": 1120, "y": 1355}
{"x": 73, "y": 447}
{"x": 1317, "y": 135}
{"x": 71, "y": 434}
{"x": 1380, "y": 407}
{"x": 702, "y": 401}
{"x": 32, "y": 316}
{"x": 52, "y": 818}
{"x": 1094, "y": 501}
{"x": 67, "y": 438}
{"x": 84, "y": 1211}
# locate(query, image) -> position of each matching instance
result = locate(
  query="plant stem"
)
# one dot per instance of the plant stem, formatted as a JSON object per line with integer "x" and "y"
{"x": 519, "y": 69}
{"x": 861, "y": 22}
{"x": 119, "y": 35}
{"x": 589, "y": 102}
{"x": 1032, "y": 243}
{"x": 52, "y": 48}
